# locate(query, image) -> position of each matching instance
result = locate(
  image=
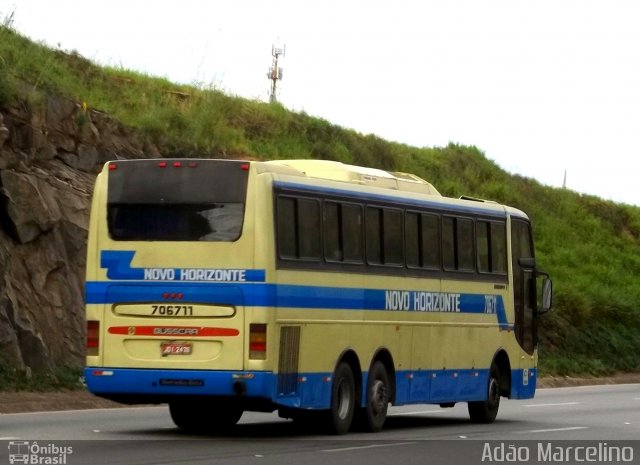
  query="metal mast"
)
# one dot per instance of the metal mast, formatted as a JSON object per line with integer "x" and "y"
{"x": 275, "y": 73}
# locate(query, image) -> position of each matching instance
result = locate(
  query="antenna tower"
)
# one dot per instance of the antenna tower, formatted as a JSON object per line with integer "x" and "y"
{"x": 275, "y": 73}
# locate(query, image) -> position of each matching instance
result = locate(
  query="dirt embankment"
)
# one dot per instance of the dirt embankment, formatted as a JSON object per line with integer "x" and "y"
{"x": 20, "y": 402}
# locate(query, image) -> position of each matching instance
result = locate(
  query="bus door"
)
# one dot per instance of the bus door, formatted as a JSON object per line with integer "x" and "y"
{"x": 524, "y": 290}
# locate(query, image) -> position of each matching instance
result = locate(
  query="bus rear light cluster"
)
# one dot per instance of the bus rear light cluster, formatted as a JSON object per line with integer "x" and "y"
{"x": 93, "y": 337}
{"x": 258, "y": 341}
{"x": 177, "y": 164}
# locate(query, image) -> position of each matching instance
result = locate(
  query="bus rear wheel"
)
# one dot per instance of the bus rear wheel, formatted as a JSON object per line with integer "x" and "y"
{"x": 374, "y": 413}
{"x": 485, "y": 411}
{"x": 204, "y": 416}
{"x": 343, "y": 399}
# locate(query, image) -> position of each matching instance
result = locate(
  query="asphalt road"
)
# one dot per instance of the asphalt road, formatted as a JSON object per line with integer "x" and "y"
{"x": 413, "y": 434}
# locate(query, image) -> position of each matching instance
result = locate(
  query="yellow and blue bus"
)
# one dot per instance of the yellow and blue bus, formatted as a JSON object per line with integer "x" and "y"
{"x": 321, "y": 290}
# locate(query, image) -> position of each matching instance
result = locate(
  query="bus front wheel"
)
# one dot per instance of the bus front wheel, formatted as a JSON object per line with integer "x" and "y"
{"x": 343, "y": 399}
{"x": 204, "y": 416}
{"x": 485, "y": 411}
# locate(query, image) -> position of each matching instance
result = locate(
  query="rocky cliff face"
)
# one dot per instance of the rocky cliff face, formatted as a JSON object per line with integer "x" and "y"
{"x": 49, "y": 156}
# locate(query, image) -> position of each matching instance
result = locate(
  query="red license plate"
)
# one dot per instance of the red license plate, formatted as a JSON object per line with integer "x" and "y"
{"x": 176, "y": 348}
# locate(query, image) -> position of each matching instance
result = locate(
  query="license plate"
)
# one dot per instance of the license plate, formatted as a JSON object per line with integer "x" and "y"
{"x": 176, "y": 348}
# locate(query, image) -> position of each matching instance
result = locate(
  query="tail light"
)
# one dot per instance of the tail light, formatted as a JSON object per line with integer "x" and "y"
{"x": 93, "y": 337}
{"x": 258, "y": 341}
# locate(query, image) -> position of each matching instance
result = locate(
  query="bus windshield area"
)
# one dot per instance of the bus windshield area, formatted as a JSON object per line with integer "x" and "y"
{"x": 147, "y": 222}
{"x": 188, "y": 200}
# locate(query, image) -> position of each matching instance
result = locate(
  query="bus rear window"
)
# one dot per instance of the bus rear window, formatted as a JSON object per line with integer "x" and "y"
{"x": 197, "y": 200}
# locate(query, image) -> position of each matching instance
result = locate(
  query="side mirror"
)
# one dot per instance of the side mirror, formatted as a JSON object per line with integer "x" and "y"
{"x": 547, "y": 295}
{"x": 527, "y": 263}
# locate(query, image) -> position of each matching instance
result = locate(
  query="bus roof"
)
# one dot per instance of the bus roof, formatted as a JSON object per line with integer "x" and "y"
{"x": 376, "y": 178}
{"x": 337, "y": 171}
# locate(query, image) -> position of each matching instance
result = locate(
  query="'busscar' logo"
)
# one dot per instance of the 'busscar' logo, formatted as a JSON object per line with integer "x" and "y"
{"x": 175, "y": 331}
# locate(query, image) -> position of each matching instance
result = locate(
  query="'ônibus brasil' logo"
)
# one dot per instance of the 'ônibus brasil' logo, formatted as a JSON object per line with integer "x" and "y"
{"x": 31, "y": 452}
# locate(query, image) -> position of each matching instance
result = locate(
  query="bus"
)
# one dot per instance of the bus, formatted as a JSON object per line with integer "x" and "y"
{"x": 321, "y": 290}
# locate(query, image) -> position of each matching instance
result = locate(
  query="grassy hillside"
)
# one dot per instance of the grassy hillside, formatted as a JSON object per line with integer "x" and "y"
{"x": 590, "y": 247}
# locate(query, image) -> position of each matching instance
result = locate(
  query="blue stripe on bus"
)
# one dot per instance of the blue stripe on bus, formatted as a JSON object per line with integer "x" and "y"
{"x": 133, "y": 287}
{"x": 312, "y": 390}
{"x": 276, "y": 295}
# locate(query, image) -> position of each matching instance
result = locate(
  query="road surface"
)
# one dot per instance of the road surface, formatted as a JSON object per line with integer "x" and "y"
{"x": 412, "y": 434}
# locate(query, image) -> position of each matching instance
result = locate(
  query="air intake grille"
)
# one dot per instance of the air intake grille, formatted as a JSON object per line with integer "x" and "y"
{"x": 288, "y": 364}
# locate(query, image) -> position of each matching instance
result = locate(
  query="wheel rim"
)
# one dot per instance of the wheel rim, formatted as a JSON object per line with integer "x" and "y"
{"x": 378, "y": 398}
{"x": 344, "y": 400}
{"x": 494, "y": 392}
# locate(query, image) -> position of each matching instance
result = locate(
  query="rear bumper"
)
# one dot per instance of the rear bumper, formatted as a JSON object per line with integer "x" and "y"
{"x": 114, "y": 382}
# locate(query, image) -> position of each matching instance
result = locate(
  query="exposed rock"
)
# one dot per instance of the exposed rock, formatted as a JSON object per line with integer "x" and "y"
{"x": 49, "y": 157}
{"x": 4, "y": 132}
{"x": 30, "y": 204}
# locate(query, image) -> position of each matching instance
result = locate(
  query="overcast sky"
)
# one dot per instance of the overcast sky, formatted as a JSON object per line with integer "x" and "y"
{"x": 540, "y": 86}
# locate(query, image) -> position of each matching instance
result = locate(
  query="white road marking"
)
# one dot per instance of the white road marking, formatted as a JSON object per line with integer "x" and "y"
{"x": 371, "y": 446}
{"x": 9, "y": 438}
{"x": 551, "y": 405}
{"x": 85, "y": 410}
{"x": 550, "y": 430}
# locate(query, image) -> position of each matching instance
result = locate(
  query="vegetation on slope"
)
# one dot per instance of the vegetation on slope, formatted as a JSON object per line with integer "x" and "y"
{"x": 63, "y": 378}
{"x": 591, "y": 247}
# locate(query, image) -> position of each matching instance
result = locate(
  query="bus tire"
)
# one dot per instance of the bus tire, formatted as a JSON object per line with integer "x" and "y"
{"x": 343, "y": 399}
{"x": 374, "y": 414}
{"x": 202, "y": 416}
{"x": 485, "y": 411}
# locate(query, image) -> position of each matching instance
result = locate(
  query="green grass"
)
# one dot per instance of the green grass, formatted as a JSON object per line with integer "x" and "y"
{"x": 591, "y": 247}
{"x": 62, "y": 378}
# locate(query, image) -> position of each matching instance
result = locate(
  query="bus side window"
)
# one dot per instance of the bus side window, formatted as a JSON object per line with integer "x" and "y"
{"x": 482, "y": 245}
{"x": 430, "y": 239}
{"x": 422, "y": 239}
{"x": 308, "y": 229}
{"x": 491, "y": 246}
{"x": 392, "y": 237}
{"x": 458, "y": 251}
{"x": 498, "y": 248}
{"x": 342, "y": 232}
{"x": 373, "y": 225}
{"x": 464, "y": 244}
{"x": 352, "y": 244}
{"x": 384, "y": 236}
{"x": 331, "y": 226}
{"x": 412, "y": 239}
{"x": 448, "y": 243}
{"x": 286, "y": 227}
{"x": 298, "y": 228}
